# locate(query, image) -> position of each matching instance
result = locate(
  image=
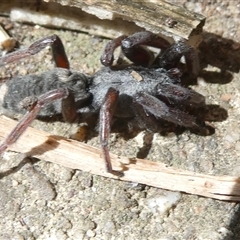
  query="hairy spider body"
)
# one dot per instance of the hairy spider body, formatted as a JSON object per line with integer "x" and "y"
{"x": 152, "y": 82}
{"x": 20, "y": 87}
{"x": 143, "y": 94}
{"x": 86, "y": 88}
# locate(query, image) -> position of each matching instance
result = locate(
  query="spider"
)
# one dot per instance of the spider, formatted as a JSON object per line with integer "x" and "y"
{"x": 133, "y": 47}
{"x": 111, "y": 94}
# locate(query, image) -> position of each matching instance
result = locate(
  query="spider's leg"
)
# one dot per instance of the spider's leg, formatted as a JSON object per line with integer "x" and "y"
{"x": 107, "y": 57}
{"x": 161, "y": 110}
{"x": 59, "y": 55}
{"x": 106, "y": 114}
{"x": 35, "y": 105}
{"x": 131, "y": 47}
{"x": 172, "y": 55}
{"x": 60, "y": 58}
{"x": 180, "y": 95}
{"x": 68, "y": 107}
{"x": 145, "y": 120}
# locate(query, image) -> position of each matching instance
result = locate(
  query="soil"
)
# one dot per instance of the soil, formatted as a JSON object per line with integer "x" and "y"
{"x": 42, "y": 200}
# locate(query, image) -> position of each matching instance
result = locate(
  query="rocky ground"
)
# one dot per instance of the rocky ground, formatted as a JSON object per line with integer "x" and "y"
{"x": 41, "y": 200}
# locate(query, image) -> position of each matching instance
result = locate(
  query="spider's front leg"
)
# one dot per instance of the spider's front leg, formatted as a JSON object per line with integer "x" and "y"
{"x": 34, "y": 106}
{"x": 107, "y": 55}
{"x": 172, "y": 55}
{"x": 106, "y": 114}
{"x": 133, "y": 49}
{"x": 160, "y": 110}
{"x": 180, "y": 95}
{"x": 59, "y": 55}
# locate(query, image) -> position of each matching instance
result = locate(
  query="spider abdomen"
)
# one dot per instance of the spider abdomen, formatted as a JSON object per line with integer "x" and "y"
{"x": 20, "y": 87}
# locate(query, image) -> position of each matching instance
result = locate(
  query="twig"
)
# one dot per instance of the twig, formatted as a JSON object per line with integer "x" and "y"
{"x": 111, "y": 18}
{"x": 7, "y": 43}
{"x": 76, "y": 155}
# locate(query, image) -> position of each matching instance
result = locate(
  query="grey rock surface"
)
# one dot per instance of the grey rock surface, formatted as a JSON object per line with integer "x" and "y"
{"x": 41, "y": 200}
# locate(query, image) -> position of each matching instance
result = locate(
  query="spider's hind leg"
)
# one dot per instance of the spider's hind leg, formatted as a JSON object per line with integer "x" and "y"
{"x": 34, "y": 105}
{"x": 59, "y": 55}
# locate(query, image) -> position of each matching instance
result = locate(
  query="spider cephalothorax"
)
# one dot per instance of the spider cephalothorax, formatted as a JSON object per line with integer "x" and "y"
{"x": 144, "y": 94}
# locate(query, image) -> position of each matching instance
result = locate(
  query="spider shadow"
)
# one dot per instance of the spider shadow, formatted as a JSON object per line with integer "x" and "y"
{"x": 129, "y": 128}
{"x": 207, "y": 113}
{"x": 234, "y": 225}
{"x": 25, "y": 160}
{"x": 223, "y": 54}
{"x": 220, "y": 53}
{"x": 50, "y": 144}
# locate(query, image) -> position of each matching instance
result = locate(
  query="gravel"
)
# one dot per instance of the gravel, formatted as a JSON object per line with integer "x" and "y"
{"x": 41, "y": 200}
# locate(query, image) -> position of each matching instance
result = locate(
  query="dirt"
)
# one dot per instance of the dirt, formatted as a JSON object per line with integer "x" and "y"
{"x": 41, "y": 200}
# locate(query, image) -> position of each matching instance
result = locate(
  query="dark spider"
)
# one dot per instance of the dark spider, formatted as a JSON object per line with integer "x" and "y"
{"x": 133, "y": 47}
{"x": 109, "y": 93}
